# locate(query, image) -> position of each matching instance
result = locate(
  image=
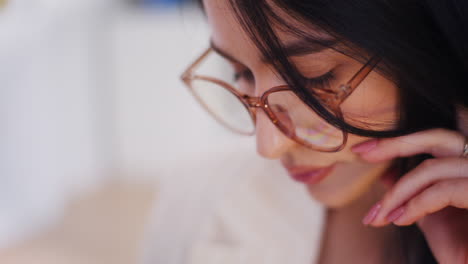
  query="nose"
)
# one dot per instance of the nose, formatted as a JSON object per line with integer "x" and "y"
{"x": 271, "y": 142}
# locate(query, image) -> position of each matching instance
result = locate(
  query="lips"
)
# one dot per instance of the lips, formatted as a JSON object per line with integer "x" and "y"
{"x": 309, "y": 175}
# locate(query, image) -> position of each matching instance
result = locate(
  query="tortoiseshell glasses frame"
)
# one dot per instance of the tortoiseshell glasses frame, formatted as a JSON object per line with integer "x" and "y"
{"x": 331, "y": 98}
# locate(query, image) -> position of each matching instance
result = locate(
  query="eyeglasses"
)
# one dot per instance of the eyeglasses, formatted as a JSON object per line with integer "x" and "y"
{"x": 230, "y": 104}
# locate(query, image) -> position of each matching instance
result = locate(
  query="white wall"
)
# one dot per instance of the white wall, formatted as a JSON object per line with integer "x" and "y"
{"x": 91, "y": 90}
{"x": 158, "y": 123}
{"x": 50, "y": 110}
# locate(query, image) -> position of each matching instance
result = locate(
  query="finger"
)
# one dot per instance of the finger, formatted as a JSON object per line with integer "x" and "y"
{"x": 442, "y": 194}
{"x": 437, "y": 142}
{"x": 414, "y": 182}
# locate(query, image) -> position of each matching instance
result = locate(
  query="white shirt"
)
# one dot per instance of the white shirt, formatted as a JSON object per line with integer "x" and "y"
{"x": 234, "y": 207}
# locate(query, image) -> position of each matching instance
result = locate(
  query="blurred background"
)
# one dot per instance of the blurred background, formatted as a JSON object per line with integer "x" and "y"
{"x": 90, "y": 93}
{"x": 97, "y": 131}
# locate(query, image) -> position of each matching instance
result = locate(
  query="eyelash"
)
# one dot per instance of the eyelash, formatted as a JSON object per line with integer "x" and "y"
{"x": 321, "y": 82}
{"x": 243, "y": 74}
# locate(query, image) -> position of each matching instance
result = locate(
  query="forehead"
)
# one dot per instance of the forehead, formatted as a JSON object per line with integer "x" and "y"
{"x": 228, "y": 34}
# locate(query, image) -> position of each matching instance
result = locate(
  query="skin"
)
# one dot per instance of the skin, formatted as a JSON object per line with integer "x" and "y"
{"x": 433, "y": 195}
{"x": 375, "y": 99}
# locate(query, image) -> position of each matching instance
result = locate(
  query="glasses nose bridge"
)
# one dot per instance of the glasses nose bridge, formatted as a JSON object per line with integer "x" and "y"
{"x": 254, "y": 102}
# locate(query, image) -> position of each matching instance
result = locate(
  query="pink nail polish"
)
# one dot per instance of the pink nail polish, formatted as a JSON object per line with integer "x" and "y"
{"x": 365, "y": 147}
{"x": 395, "y": 214}
{"x": 372, "y": 214}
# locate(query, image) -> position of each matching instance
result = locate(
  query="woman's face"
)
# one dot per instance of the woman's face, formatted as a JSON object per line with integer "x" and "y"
{"x": 334, "y": 179}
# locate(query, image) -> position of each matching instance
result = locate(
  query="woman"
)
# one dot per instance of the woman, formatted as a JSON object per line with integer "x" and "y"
{"x": 363, "y": 102}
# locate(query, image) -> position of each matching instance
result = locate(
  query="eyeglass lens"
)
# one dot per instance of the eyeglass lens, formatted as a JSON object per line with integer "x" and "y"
{"x": 296, "y": 119}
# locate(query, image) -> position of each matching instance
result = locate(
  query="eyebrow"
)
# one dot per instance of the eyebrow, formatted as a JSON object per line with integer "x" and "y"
{"x": 292, "y": 49}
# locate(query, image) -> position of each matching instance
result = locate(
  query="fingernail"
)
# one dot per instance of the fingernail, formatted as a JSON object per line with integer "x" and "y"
{"x": 371, "y": 214}
{"x": 365, "y": 147}
{"x": 395, "y": 214}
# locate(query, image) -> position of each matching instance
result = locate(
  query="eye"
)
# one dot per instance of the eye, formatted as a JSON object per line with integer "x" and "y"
{"x": 245, "y": 75}
{"x": 321, "y": 82}
{"x": 244, "y": 80}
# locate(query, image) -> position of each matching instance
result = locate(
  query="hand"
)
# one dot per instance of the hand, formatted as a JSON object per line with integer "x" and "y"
{"x": 434, "y": 194}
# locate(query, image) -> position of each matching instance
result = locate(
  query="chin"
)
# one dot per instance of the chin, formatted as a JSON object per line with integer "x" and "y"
{"x": 333, "y": 200}
{"x": 343, "y": 189}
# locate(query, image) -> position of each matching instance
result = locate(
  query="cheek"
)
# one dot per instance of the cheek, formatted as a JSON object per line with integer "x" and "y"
{"x": 352, "y": 178}
{"x": 349, "y": 182}
{"x": 373, "y": 105}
